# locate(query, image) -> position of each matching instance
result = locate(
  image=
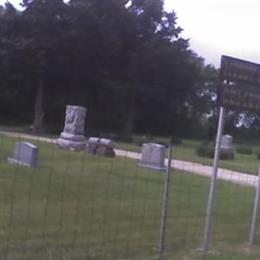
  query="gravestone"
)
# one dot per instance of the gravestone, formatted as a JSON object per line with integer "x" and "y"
{"x": 153, "y": 156}
{"x": 226, "y": 142}
{"x": 72, "y": 137}
{"x": 25, "y": 154}
{"x": 226, "y": 147}
{"x": 100, "y": 146}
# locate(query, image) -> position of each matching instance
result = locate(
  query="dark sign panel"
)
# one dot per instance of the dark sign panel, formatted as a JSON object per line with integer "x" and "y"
{"x": 237, "y": 70}
{"x": 240, "y": 97}
{"x": 240, "y": 87}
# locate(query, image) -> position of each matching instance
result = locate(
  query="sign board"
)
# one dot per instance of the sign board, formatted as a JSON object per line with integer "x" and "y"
{"x": 240, "y": 97}
{"x": 240, "y": 88}
{"x": 237, "y": 70}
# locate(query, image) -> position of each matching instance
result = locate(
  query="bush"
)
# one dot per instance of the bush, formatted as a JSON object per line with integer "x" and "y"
{"x": 226, "y": 154}
{"x": 164, "y": 143}
{"x": 258, "y": 154}
{"x": 207, "y": 150}
{"x": 124, "y": 138}
{"x": 244, "y": 150}
{"x": 140, "y": 140}
{"x": 176, "y": 141}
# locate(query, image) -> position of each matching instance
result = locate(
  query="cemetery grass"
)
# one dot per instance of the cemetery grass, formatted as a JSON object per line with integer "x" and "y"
{"x": 78, "y": 206}
{"x": 185, "y": 151}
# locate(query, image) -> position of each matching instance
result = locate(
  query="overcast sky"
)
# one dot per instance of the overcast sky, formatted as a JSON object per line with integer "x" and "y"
{"x": 217, "y": 27}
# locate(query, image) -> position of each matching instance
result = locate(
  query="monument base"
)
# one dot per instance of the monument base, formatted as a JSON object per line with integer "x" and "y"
{"x": 72, "y": 138}
{"x": 21, "y": 163}
{"x": 71, "y": 145}
{"x": 153, "y": 167}
{"x": 227, "y": 153}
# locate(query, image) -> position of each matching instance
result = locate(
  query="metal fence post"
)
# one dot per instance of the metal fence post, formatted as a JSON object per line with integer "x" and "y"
{"x": 164, "y": 217}
{"x": 211, "y": 196}
{"x": 255, "y": 211}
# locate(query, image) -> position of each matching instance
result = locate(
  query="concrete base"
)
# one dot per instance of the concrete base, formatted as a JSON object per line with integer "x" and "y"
{"x": 71, "y": 145}
{"x": 14, "y": 161}
{"x": 153, "y": 167}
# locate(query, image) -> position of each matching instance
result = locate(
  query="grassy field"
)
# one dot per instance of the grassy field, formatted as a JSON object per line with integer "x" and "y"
{"x": 78, "y": 206}
{"x": 185, "y": 151}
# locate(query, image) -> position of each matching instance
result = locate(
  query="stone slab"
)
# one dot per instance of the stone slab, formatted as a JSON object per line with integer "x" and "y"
{"x": 25, "y": 154}
{"x": 72, "y": 138}
{"x": 100, "y": 146}
{"x": 153, "y": 156}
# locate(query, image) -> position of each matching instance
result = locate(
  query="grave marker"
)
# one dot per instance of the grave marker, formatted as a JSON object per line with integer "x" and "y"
{"x": 72, "y": 137}
{"x": 153, "y": 156}
{"x": 25, "y": 154}
{"x": 226, "y": 142}
{"x": 100, "y": 146}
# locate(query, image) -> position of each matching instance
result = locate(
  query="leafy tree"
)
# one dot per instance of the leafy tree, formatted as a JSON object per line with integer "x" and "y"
{"x": 125, "y": 60}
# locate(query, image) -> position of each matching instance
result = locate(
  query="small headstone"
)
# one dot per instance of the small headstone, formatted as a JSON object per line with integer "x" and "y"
{"x": 25, "y": 154}
{"x": 226, "y": 147}
{"x": 226, "y": 142}
{"x": 72, "y": 137}
{"x": 100, "y": 146}
{"x": 153, "y": 156}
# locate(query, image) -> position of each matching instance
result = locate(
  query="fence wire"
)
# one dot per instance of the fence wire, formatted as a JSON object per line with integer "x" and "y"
{"x": 75, "y": 205}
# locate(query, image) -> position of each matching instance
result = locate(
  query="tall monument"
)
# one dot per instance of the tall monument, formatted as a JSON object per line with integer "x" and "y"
{"x": 72, "y": 137}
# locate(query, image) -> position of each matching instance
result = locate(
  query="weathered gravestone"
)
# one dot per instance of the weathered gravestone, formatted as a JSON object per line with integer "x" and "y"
{"x": 153, "y": 156}
{"x": 72, "y": 137}
{"x": 25, "y": 154}
{"x": 226, "y": 147}
{"x": 100, "y": 146}
{"x": 226, "y": 142}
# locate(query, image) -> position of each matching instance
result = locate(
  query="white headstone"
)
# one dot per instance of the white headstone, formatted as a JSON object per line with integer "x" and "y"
{"x": 72, "y": 137}
{"x": 25, "y": 154}
{"x": 226, "y": 142}
{"x": 153, "y": 156}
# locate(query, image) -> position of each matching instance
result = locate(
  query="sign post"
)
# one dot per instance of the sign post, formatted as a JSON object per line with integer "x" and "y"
{"x": 167, "y": 183}
{"x": 239, "y": 90}
{"x": 211, "y": 196}
{"x": 255, "y": 211}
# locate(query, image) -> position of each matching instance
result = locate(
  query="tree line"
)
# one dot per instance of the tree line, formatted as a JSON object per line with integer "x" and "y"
{"x": 125, "y": 60}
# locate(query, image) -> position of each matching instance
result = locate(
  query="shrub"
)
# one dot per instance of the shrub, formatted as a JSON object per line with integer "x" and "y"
{"x": 124, "y": 138}
{"x": 176, "y": 141}
{"x": 245, "y": 150}
{"x": 226, "y": 154}
{"x": 207, "y": 150}
{"x": 140, "y": 140}
{"x": 258, "y": 154}
{"x": 112, "y": 136}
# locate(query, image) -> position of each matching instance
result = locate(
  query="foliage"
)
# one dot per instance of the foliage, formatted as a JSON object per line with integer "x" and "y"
{"x": 207, "y": 150}
{"x": 227, "y": 154}
{"x": 124, "y": 60}
{"x": 244, "y": 150}
{"x": 258, "y": 154}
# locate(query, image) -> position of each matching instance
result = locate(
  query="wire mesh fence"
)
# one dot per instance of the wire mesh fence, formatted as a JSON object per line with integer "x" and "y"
{"x": 75, "y": 205}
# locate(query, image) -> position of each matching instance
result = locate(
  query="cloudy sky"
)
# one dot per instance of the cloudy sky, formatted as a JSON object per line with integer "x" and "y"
{"x": 217, "y": 27}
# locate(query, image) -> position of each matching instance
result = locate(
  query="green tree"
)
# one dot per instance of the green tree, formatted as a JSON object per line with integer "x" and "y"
{"x": 125, "y": 60}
